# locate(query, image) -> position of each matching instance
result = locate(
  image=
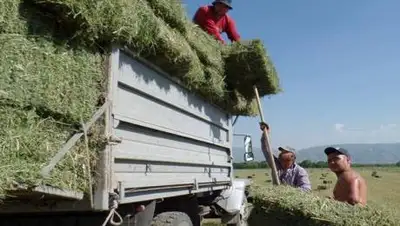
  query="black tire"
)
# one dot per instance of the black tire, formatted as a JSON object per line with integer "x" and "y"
{"x": 172, "y": 219}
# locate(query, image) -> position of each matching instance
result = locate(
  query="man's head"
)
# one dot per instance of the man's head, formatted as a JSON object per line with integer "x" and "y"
{"x": 287, "y": 157}
{"x": 339, "y": 159}
{"x": 221, "y": 7}
{"x": 264, "y": 125}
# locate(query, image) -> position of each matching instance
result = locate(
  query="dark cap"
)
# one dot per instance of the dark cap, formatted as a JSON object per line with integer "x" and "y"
{"x": 339, "y": 150}
{"x": 228, "y": 3}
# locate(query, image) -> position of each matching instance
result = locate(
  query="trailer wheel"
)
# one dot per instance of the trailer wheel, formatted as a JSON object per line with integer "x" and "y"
{"x": 172, "y": 219}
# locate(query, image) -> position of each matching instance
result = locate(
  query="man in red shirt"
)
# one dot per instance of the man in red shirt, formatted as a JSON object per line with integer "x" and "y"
{"x": 215, "y": 20}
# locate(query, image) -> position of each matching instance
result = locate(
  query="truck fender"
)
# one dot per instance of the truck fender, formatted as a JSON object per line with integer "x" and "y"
{"x": 232, "y": 199}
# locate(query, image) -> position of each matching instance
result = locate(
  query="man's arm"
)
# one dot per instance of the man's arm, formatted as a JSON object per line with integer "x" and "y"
{"x": 265, "y": 150}
{"x": 302, "y": 180}
{"x": 354, "y": 195}
{"x": 231, "y": 30}
{"x": 208, "y": 25}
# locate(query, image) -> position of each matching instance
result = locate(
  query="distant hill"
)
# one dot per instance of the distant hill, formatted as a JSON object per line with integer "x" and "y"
{"x": 361, "y": 153}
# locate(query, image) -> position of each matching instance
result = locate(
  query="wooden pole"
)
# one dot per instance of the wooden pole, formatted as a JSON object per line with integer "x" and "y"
{"x": 268, "y": 156}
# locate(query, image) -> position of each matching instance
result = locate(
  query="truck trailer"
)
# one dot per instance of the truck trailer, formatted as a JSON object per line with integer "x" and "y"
{"x": 167, "y": 160}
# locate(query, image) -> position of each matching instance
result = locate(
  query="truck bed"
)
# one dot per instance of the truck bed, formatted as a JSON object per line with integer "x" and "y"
{"x": 171, "y": 142}
{"x": 164, "y": 141}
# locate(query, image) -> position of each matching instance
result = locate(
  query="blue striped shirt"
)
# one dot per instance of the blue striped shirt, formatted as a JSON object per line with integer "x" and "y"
{"x": 295, "y": 176}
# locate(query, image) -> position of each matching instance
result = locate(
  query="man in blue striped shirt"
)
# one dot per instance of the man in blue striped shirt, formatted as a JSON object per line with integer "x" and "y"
{"x": 289, "y": 172}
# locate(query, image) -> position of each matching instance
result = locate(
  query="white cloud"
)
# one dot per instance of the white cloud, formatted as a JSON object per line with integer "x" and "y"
{"x": 383, "y": 133}
{"x": 388, "y": 126}
{"x": 339, "y": 127}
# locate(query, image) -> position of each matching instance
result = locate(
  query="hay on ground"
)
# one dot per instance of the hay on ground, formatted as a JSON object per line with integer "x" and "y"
{"x": 290, "y": 206}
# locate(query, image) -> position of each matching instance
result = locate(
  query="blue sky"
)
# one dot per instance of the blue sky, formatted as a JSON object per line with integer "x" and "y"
{"x": 337, "y": 64}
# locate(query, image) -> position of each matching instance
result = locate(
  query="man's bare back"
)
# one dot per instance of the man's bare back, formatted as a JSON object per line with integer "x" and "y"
{"x": 351, "y": 188}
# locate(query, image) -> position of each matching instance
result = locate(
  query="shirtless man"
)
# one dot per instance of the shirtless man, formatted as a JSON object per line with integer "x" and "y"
{"x": 350, "y": 186}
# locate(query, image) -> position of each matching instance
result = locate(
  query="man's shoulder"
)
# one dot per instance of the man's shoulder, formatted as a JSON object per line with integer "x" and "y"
{"x": 350, "y": 176}
{"x": 300, "y": 169}
{"x": 204, "y": 8}
{"x": 229, "y": 19}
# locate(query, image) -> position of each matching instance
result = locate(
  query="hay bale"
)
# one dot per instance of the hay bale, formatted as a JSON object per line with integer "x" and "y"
{"x": 29, "y": 141}
{"x": 238, "y": 105}
{"x": 134, "y": 24}
{"x": 247, "y": 64}
{"x": 60, "y": 82}
{"x": 207, "y": 48}
{"x": 294, "y": 207}
{"x": 9, "y": 11}
{"x": 172, "y": 12}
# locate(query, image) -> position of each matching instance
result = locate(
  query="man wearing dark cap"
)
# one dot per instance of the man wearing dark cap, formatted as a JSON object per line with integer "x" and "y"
{"x": 214, "y": 20}
{"x": 289, "y": 172}
{"x": 350, "y": 186}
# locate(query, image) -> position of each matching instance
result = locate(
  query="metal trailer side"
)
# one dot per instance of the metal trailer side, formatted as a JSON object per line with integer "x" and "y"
{"x": 164, "y": 143}
{"x": 171, "y": 141}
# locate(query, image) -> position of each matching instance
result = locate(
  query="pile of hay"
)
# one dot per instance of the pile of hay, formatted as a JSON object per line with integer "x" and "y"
{"x": 289, "y": 206}
{"x": 159, "y": 31}
{"x": 46, "y": 89}
{"x": 53, "y": 75}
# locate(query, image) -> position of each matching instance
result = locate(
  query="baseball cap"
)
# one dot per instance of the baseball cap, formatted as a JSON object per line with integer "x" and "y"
{"x": 339, "y": 150}
{"x": 287, "y": 149}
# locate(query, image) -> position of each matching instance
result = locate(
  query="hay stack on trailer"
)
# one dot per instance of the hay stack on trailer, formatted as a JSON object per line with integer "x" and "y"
{"x": 53, "y": 76}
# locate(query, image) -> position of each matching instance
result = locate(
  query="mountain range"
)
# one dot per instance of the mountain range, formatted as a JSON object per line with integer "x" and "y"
{"x": 379, "y": 153}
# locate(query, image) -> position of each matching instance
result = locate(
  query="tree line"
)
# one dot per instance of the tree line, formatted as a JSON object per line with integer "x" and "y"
{"x": 305, "y": 164}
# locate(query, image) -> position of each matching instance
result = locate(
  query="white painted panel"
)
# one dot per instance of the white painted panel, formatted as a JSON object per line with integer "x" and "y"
{"x": 138, "y": 76}
{"x": 144, "y": 109}
{"x": 151, "y": 152}
{"x": 128, "y": 132}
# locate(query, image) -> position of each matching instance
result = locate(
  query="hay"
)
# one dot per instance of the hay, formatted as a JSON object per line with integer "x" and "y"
{"x": 28, "y": 141}
{"x": 247, "y": 64}
{"x": 238, "y": 105}
{"x": 172, "y": 12}
{"x": 290, "y": 206}
{"x": 207, "y": 48}
{"x": 52, "y": 76}
{"x": 190, "y": 55}
{"x": 35, "y": 72}
{"x": 146, "y": 34}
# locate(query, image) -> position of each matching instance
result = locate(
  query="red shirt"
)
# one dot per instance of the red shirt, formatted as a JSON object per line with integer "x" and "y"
{"x": 206, "y": 19}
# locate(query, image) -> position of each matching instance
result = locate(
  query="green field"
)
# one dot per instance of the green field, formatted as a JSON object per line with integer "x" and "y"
{"x": 382, "y": 191}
